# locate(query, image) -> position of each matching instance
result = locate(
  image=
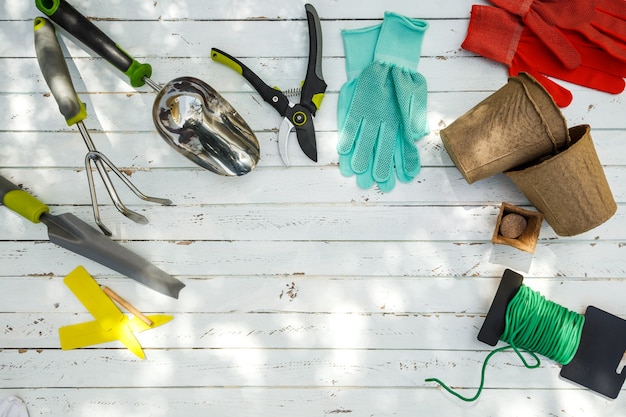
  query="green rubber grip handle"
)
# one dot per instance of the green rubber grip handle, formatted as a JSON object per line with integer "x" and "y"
{"x": 66, "y": 16}
{"x": 56, "y": 73}
{"x": 20, "y": 201}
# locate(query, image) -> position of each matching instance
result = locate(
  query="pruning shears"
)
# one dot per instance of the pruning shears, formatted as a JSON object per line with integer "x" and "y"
{"x": 296, "y": 116}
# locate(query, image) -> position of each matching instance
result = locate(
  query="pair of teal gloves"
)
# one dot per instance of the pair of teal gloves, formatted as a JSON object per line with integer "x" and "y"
{"x": 382, "y": 106}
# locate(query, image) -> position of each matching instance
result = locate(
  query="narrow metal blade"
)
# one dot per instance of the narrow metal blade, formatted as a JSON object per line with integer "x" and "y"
{"x": 68, "y": 231}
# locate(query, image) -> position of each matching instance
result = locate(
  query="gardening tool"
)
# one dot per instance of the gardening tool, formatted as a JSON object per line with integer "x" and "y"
{"x": 296, "y": 116}
{"x": 57, "y": 76}
{"x": 188, "y": 113}
{"x": 219, "y": 139}
{"x": 68, "y": 231}
{"x": 110, "y": 323}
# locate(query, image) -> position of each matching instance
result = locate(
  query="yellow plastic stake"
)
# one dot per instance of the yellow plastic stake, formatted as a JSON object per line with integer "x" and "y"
{"x": 110, "y": 323}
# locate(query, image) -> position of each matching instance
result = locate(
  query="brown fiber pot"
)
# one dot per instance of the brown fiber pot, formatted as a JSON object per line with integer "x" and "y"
{"x": 569, "y": 188}
{"x": 517, "y": 124}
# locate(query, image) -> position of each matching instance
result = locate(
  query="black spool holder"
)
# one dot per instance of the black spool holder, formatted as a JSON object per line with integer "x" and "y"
{"x": 602, "y": 343}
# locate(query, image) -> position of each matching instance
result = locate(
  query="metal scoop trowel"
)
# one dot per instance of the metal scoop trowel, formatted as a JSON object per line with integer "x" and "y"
{"x": 188, "y": 114}
{"x": 218, "y": 140}
{"x": 68, "y": 231}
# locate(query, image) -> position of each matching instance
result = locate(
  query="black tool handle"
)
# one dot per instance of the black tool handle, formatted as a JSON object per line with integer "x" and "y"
{"x": 66, "y": 16}
{"x": 314, "y": 85}
{"x": 271, "y": 95}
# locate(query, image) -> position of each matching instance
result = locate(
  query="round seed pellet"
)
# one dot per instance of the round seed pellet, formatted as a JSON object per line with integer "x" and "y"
{"x": 513, "y": 225}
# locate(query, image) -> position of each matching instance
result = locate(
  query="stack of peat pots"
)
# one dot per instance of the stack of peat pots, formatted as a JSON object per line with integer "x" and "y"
{"x": 520, "y": 131}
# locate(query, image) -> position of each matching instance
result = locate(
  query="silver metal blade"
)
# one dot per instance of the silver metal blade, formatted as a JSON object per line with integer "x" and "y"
{"x": 68, "y": 231}
{"x": 283, "y": 139}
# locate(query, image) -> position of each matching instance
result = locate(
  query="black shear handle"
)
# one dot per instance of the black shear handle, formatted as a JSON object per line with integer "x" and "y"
{"x": 271, "y": 95}
{"x": 314, "y": 86}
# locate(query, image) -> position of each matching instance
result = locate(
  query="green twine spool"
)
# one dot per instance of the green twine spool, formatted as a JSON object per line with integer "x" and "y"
{"x": 536, "y": 326}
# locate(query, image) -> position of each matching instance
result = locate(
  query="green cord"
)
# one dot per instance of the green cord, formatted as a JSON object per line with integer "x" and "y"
{"x": 534, "y": 324}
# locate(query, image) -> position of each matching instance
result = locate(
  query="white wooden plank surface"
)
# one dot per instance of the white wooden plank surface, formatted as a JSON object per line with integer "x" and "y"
{"x": 305, "y": 294}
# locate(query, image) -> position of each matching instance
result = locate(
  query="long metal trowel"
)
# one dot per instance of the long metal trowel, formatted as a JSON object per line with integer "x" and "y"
{"x": 68, "y": 231}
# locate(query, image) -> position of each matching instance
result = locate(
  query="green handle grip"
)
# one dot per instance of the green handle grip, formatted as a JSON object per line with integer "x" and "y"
{"x": 56, "y": 73}
{"x": 20, "y": 201}
{"x": 66, "y": 16}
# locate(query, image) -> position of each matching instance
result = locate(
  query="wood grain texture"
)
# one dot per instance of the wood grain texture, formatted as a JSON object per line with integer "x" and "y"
{"x": 305, "y": 295}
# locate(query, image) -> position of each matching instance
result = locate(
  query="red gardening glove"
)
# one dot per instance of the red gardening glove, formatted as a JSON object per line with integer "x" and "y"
{"x": 501, "y": 36}
{"x": 602, "y": 22}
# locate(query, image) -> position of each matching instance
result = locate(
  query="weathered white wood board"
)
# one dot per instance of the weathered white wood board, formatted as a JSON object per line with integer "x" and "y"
{"x": 305, "y": 294}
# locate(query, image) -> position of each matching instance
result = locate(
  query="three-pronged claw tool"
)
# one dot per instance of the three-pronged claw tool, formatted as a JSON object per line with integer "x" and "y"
{"x": 57, "y": 77}
{"x": 296, "y": 116}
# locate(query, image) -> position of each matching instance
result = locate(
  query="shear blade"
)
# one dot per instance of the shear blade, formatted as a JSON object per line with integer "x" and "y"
{"x": 306, "y": 139}
{"x": 283, "y": 139}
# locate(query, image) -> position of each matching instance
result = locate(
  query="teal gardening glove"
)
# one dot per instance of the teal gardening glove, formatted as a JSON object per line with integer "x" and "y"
{"x": 382, "y": 107}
